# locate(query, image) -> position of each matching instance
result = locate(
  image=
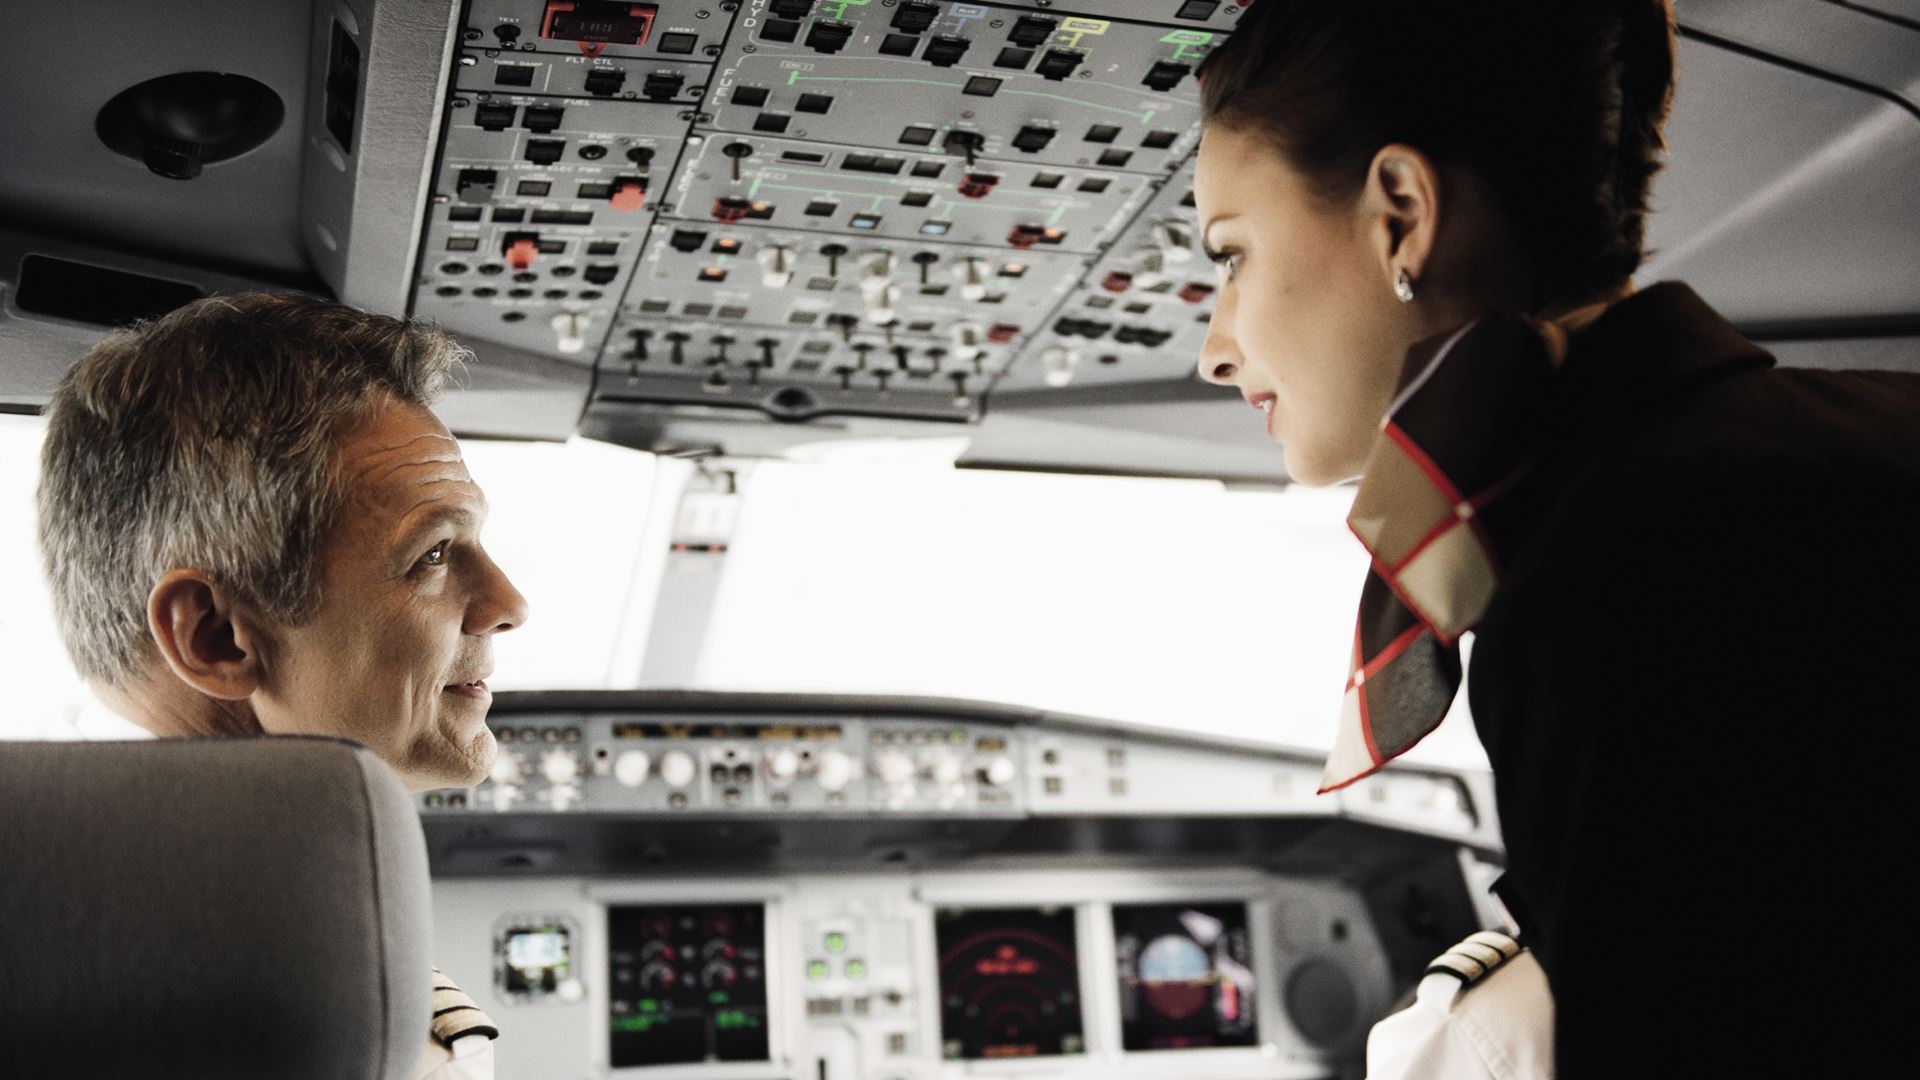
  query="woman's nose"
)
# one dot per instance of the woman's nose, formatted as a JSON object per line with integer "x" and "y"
{"x": 1219, "y": 360}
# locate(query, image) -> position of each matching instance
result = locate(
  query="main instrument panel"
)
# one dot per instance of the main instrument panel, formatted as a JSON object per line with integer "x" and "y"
{"x": 916, "y": 975}
{"x": 705, "y": 886}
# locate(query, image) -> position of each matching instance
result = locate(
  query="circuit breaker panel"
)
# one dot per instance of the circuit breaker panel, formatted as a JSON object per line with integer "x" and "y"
{"x": 805, "y": 208}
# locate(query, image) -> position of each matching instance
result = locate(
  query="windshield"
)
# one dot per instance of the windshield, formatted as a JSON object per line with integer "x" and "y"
{"x": 1181, "y": 604}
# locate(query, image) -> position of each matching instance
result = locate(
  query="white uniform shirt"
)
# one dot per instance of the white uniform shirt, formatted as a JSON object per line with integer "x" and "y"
{"x": 470, "y": 1058}
{"x": 1497, "y": 1026}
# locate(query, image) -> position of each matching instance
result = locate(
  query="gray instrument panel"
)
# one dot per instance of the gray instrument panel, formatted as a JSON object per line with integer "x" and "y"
{"x": 852, "y": 952}
{"x": 846, "y": 979}
{"x": 900, "y": 205}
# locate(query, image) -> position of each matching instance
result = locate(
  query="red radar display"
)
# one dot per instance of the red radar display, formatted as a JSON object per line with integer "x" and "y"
{"x": 1009, "y": 983}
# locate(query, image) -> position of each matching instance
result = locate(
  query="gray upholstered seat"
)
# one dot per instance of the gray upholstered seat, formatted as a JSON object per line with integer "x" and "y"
{"x": 209, "y": 908}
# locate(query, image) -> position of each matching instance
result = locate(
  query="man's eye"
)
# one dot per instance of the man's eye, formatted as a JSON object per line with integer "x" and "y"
{"x": 437, "y": 556}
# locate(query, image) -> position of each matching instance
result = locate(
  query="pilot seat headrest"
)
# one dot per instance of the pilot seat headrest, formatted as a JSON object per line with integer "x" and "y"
{"x": 252, "y": 907}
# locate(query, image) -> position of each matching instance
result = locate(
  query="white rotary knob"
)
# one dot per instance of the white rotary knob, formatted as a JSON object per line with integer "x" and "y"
{"x": 783, "y": 765}
{"x": 559, "y": 766}
{"x": 836, "y": 770}
{"x": 895, "y": 768}
{"x": 630, "y": 768}
{"x": 677, "y": 768}
{"x": 998, "y": 772}
{"x": 946, "y": 768}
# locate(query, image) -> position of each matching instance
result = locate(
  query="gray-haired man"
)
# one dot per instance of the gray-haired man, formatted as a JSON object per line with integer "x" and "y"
{"x": 253, "y": 523}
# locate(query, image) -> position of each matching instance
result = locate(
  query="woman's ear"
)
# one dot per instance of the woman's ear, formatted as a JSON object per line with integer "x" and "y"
{"x": 208, "y": 642}
{"x": 1400, "y": 208}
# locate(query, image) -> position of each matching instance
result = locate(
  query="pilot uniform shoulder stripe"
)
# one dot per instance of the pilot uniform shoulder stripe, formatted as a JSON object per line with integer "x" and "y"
{"x": 455, "y": 1016}
{"x": 1475, "y": 958}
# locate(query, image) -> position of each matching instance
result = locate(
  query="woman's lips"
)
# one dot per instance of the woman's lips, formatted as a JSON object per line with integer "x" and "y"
{"x": 1266, "y": 403}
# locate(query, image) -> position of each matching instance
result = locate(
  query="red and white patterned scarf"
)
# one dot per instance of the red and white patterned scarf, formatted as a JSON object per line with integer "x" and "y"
{"x": 1458, "y": 438}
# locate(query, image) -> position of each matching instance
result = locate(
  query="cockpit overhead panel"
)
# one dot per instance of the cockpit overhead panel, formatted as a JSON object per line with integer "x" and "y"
{"x": 798, "y": 209}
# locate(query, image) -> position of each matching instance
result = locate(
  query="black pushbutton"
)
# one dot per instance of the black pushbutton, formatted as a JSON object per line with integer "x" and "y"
{"x": 1165, "y": 74}
{"x": 543, "y": 118}
{"x": 946, "y": 50}
{"x": 606, "y": 82}
{"x": 513, "y": 74}
{"x": 545, "y": 151}
{"x": 1057, "y": 64}
{"x": 494, "y": 117}
{"x": 791, "y": 9}
{"x": 1197, "y": 10}
{"x": 829, "y": 35}
{"x": 898, "y": 45}
{"x": 779, "y": 30}
{"x": 751, "y": 96}
{"x": 1031, "y": 30}
{"x": 814, "y": 103}
{"x": 1033, "y": 139}
{"x": 687, "y": 240}
{"x": 663, "y": 86}
{"x": 678, "y": 44}
{"x": 915, "y": 16}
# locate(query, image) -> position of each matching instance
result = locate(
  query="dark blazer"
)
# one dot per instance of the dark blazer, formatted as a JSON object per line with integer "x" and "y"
{"x": 1697, "y": 687}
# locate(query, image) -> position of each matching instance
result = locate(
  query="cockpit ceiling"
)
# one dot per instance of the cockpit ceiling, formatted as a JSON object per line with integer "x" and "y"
{"x": 701, "y": 227}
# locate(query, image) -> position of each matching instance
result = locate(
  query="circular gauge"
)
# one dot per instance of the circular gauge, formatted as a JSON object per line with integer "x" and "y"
{"x": 1176, "y": 976}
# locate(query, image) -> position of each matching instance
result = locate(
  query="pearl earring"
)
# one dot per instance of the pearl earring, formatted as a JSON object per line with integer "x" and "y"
{"x": 1403, "y": 286}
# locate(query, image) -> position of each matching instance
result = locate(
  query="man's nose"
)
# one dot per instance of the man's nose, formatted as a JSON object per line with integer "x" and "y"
{"x": 497, "y": 606}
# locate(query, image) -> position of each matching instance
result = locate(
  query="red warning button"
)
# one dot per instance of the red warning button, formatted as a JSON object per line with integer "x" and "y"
{"x": 629, "y": 194}
{"x": 522, "y": 252}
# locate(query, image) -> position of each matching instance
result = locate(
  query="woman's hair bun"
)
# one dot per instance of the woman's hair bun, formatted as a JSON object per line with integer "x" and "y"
{"x": 1557, "y": 105}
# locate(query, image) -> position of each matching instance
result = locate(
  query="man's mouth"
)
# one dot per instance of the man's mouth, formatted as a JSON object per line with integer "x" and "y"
{"x": 475, "y": 689}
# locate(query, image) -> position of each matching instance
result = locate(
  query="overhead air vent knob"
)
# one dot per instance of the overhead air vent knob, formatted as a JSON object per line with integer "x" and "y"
{"x": 177, "y": 124}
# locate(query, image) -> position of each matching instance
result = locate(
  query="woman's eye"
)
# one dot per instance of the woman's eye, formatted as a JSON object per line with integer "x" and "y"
{"x": 437, "y": 556}
{"x": 1227, "y": 261}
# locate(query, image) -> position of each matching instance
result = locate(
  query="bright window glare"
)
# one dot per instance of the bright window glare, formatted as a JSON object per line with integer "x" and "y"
{"x": 1174, "y": 603}
{"x": 567, "y": 523}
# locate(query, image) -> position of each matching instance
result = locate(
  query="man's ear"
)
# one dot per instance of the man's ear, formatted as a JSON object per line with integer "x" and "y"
{"x": 206, "y": 641}
{"x": 1401, "y": 209}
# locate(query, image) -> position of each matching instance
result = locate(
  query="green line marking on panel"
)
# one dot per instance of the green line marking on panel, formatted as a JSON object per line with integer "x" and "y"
{"x": 1076, "y": 101}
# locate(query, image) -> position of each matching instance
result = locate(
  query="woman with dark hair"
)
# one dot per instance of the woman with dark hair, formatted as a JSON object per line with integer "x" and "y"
{"x": 1677, "y": 561}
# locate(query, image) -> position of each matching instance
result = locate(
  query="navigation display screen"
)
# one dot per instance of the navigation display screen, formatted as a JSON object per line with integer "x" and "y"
{"x": 538, "y": 959}
{"x": 1009, "y": 983}
{"x": 689, "y": 984}
{"x": 1186, "y": 976}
